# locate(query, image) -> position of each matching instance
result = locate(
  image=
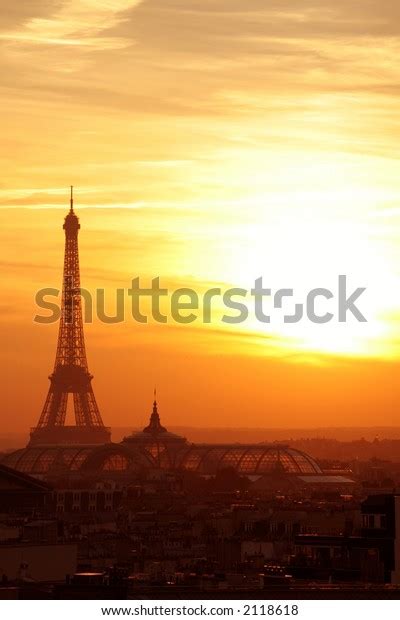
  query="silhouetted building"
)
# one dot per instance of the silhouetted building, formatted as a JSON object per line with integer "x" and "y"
{"x": 20, "y": 493}
{"x": 25, "y": 561}
{"x": 71, "y": 374}
{"x": 373, "y": 556}
{"x": 156, "y": 442}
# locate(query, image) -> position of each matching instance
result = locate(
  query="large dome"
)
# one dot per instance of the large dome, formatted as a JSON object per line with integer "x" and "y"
{"x": 156, "y": 442}
{"x": 248, "y": 459}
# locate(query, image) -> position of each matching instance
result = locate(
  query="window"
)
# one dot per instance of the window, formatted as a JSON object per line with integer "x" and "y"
{"x": 116, "y": 462}
{"x": 192, "y": 460}
{"x": 371, "y": 520}
{"x": 375, "y": 521}
{"x": 365, "y": 520}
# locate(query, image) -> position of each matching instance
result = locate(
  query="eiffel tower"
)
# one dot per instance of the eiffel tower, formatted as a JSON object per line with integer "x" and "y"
{"x": 71, "y": 374}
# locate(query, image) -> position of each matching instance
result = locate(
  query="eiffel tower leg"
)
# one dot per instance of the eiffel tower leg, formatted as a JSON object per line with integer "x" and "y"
{"x": 55, "y": 409}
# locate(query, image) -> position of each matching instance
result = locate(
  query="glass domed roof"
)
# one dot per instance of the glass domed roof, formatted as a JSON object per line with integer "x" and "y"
{"x": 248, "y": 459}
{"x": 42, "y": 460}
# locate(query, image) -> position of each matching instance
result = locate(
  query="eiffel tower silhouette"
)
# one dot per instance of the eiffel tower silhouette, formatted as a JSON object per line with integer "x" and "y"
{"x": 71, "y": 373}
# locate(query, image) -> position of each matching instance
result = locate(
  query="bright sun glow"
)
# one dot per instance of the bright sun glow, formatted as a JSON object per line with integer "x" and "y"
{"x": 304, "y": 237}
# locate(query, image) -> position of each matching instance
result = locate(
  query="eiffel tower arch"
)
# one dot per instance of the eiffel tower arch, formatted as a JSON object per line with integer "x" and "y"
{"x": 70, "y": 376}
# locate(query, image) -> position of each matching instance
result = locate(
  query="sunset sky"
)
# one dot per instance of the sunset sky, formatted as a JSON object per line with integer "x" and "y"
{"x": 210, "y": 142}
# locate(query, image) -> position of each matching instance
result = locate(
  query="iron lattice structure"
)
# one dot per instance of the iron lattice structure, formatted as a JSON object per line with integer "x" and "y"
{"x": 71, "y": 374}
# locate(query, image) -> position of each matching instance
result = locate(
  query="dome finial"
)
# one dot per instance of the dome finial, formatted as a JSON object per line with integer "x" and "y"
{"x": 155, "y": 424}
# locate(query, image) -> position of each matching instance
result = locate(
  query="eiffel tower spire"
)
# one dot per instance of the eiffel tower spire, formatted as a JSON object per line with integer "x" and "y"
{"x": 70, "y": 374}
{"x": 71, "y": 201}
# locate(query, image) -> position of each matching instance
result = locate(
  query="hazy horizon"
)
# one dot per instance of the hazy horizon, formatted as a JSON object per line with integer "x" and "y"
{"x": 12, "y": 440}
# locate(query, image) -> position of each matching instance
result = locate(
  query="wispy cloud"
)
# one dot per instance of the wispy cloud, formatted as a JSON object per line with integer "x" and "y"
{"x": 75, "y": 23}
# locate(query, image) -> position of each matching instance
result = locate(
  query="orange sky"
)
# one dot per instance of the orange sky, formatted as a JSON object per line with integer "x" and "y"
{"x": 211, "y": 142}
